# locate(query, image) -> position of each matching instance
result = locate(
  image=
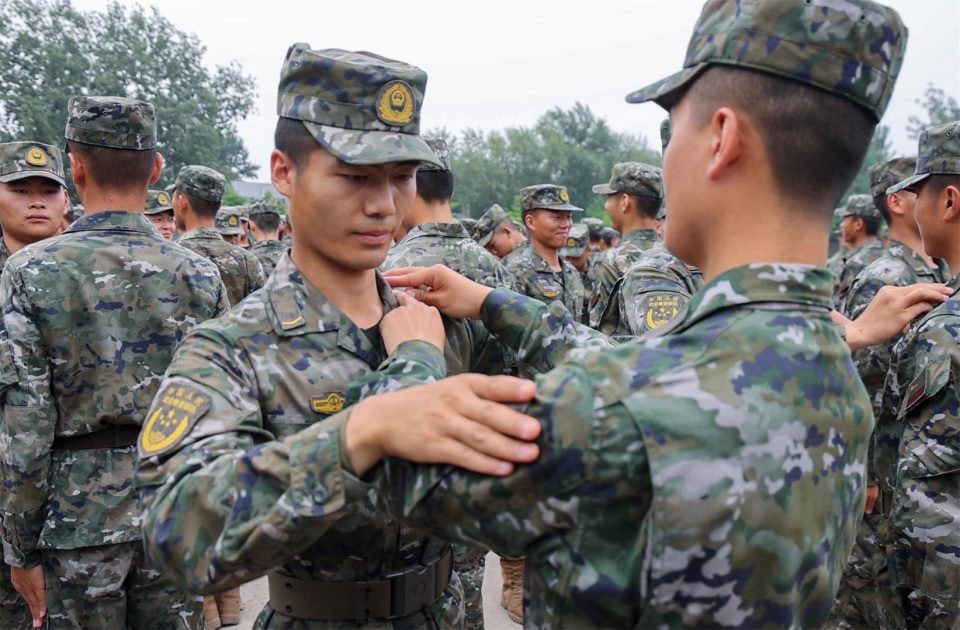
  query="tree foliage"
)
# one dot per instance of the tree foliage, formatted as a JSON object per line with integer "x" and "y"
{"x": 50, "y": 51}
{"x": 938, "y": 107}
{"x": 572, "y": 148}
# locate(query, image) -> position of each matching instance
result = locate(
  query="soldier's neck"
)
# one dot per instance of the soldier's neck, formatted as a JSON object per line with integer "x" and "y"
{"x": 100, "y": 200}
{"x": 862, "y": 240}
{"x": 552, "y": 256}
{"x": 424, "y": 212}
{"x": 910, "y": 238}
{"x": 191, "y": 222}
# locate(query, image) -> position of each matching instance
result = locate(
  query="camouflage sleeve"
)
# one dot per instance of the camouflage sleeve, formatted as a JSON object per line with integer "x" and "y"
{"x": 605, "y": 276}
{"x": 540, "y": 334}
{"x": 412, "y": 363}
{"x": 256, "y": 278}
{"x": 925, "y": 518}
{"x": 225, "y": 501}
{"x": 649, "y": 299}
{"x": 27, "y": 425}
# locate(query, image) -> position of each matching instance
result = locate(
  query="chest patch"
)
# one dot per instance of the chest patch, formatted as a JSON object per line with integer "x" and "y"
{"x": 329, "y": 403}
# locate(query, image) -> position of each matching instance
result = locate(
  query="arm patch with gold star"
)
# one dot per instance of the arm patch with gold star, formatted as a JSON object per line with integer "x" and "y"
{"x": 660, "y": 309}
{"x": 176, "y": 409}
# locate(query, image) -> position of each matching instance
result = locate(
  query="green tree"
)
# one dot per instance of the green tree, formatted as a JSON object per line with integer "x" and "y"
{"x": 232, "y": 198}
{"x": 50, "y": 51}
{"x": 881, "y": 150}
{"x": 938, "y": 107}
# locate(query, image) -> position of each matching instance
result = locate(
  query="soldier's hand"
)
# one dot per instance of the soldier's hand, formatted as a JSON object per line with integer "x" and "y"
{"x": 441, "y": 287}
{"x": 873, "y": 493}
{"x": 31, "y": 584}
{"x": 413, "y": 320}
{"x": 892, "y": 310}
{"x": 459, "y": 420}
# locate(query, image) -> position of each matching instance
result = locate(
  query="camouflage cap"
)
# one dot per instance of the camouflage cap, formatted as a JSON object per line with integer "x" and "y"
{"x": 853, "y": 48}
{"x": 20, "y": 160}
{"x": 229, "y": 221}
{"x": 595, "y": 225}
{"x": 158, "y": 201}
{"x": 609, "y": 233}
{"x": 111, "y": 121}
{"x": 664, "y": 134}
{"x": 442, "y": 151}
{"x": 858, "y": 206}
{"x": 886, "y": 174}
{"x": 487, "y": 223}
{"x": 201, "y": 182}
{"x": 577, "y": 241}
{"x": 939, "y": 154}
{"x": 546, "y": 197}
{"x": 633, "y": 178}
{"x": 361, "y": 107}
{"x": 263, "y": 205}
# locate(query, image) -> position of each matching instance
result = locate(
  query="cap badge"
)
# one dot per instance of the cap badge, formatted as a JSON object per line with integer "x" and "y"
{"x": 162, "y": 199}
{"x": 233, "y": 221}
{"x": 37, "y": 157}
{"x": 564, "y": 195}
{"x": 395, "y": 104}
{"x": 571, "y": 242}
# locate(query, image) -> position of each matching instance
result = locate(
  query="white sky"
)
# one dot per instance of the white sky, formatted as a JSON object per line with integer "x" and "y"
{"x": 495, "y": 64}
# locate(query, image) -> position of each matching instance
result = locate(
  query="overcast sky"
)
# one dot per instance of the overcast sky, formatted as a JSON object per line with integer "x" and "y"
{"x": 496, "y": 64}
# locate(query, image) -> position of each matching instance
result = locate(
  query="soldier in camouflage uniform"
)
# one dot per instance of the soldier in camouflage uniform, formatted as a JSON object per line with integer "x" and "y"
{"x": 259, "y": 394}
{"x": 32, "y": 201}
{"x": 922, "y": 534}
{"x": 231, "y": 225}
{"x": 468, "y": 224}
{"x": 265, "y": 224}
{"x": 634, "y": 196}
{"x": 90, "y": 321}
{"x": 496, "y": 232}
{"x": 196, "y": 199}
{"x": 576, "y": 251}
{"x": 712, "y": 473}
{"x": 860, "y": 222}
{"x": 539, "y": 270}
{"x": 159, "y": 211}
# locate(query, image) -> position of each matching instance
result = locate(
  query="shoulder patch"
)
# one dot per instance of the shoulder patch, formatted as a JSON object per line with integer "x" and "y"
{"x": 930, "y": 381}
{"x": 178, "y": 407}
{"x": 660, "y": 309}
{"x": 330, "y": 403}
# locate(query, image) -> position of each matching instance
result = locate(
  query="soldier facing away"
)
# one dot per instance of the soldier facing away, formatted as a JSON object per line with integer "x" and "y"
{"x": 264, "y": 224}
{"x": 497, "y": 233}
{"x": 860, "y": 222}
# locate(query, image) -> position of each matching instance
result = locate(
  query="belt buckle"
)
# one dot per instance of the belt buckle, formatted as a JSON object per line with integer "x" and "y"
{"x": 412, "y": 588}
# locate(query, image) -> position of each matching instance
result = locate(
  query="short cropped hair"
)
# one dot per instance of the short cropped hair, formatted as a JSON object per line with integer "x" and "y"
{"x": 203, "y": 208}
{"x": 267, "y": 222}
{"x": 120, "y": 170}
{"x": 293, "y": 140}
{"x": 435, "y": 186}
{"x": 648, "y": 206}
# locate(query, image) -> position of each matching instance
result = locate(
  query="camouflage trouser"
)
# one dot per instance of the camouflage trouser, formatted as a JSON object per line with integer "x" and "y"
{"x": 14, "y": 612}
{"x": 469, "y": 563}
{"x": 111, "y": 587}
{"x": 857, "y": 597}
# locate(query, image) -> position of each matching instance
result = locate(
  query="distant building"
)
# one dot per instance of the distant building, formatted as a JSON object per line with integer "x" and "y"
{"x": 254, "y": 190}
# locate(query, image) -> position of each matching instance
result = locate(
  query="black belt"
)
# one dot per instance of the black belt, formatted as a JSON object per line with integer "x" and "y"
{"x": 398, "y": 594}
{"x": 113, "y": 436}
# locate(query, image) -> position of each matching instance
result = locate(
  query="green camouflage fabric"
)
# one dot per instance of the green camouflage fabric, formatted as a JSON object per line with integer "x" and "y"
{"x": 361, "y": 107}
{"x": 665, "y": 132}
{"x": 470, "y": 564}
{"x": 610, "y": 267}
{"x": 546, "y": 197}
{"x": 835, "y": 264}
{"x": 859, "y": 206}
{"x": 536, "y": 279}
{"x": 450, "y": 245}
{"x": 740, "y": 515}
{"x": 939, "y": 154}
{"x": 263, "y": 205}
{"x": 923, "y": 535}
{"x": 201, "y": 182}
{"x": 652, "y": 293}
{"x": 633, "y": 178}
{"x": 468, "y": 224}
{"x": 578, "y": 240}
{"x": 487, "y": 224}
{"x": 853, "y": 49}
{"x": 854, "y": 262}
{"x": 886, "y": 174}
{"x": 255, "y": 481}
{"x": 111, "y": 121}
{"x": 269, "y": 252}
{"x": 90, "y": 321}
{"x": 441, "y": 151}
{"x": 20, "y": 160}
{"x": 4, "y": 252}
{"x": 228, "y": 221}
{"x": 240, "y": 270}
{"x": 158, "y": 201}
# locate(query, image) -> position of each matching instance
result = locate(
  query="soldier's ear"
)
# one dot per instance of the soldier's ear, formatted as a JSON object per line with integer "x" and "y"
{"x": 78, "y": 172}
{"x": 282, "y": 172}
{"x": 157, "y": 168}
{"x": 951, "y": 196}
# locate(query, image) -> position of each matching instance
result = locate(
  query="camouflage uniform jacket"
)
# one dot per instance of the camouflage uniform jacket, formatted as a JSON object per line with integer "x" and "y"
{"x": 855, "y": 262}
{"x": 835, "y": 263}
{"x": 652, "y": 292}
{"x": 923, "y": 533}
{"x": 269, "y": 252}
{"x": 536, "y": 279}
{"x": 899, "y": 266}
{"x": 450, "y": 245}
{"x": 90, "y": 322}
{"x": 254, "y": 483}
{"x": 240, "y": 270}
{"x": 589, "y": 285}
{"x": 4, "y": 252}
{"x": 708, "y": 476}
{"x": 611, "y": 266}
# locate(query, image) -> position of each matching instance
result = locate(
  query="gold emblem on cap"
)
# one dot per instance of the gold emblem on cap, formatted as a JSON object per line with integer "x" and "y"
{"x": 571, "y": 242}
{"x": 564, "y": 195}
{"x": 395, "y": 104}
{"x": 233, "y": 221}
{"x": 162, "y": 199}
{"x": 37, "y": 157}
